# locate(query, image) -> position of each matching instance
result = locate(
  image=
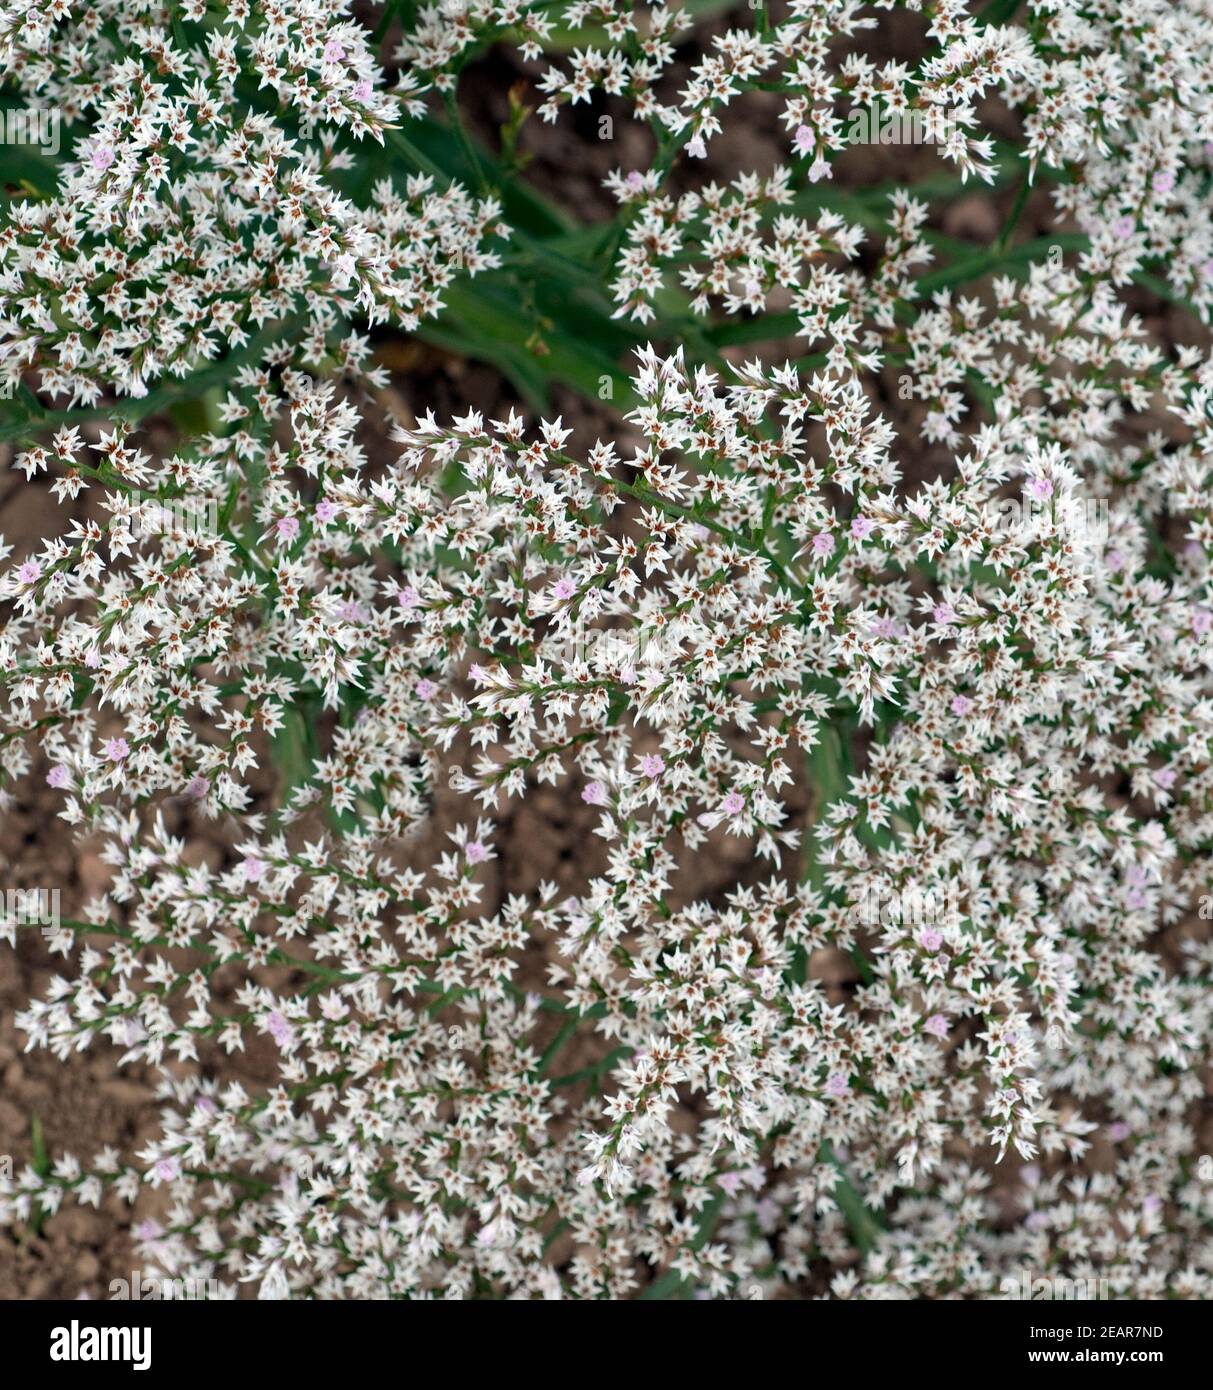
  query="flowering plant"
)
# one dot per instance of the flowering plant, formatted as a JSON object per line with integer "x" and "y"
{"x": 937, "y": 1009}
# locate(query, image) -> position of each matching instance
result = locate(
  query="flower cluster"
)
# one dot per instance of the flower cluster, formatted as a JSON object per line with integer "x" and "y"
{"x": 773, "y": 626}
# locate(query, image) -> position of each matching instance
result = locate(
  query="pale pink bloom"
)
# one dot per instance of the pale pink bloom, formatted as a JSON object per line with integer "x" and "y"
{"x": 198, "y": 787}
{"x": 930, "y": 939}
{"x": 818, "y": 170}
{"x": 426, "y": 689}
{"x": 1164, "y": 182}
{"x": 1123, "y": 227}
{"x": 733, "y": 804}
{"x": 1114, "y": 560}
{"x": 823, "y": 544}
{"x": 1165, "y": 778}
{"x": 476, "y": 672}
{"x": 804, "y": 140}
{"x": 168, "y": 1169}
{"x": 29, "y": 572}
{"x": 1118, "y": 1131}
{"x": 362, "y": 92}
{"x": 58, "y": 777}
{"x": 102, "y": 157}
{"x": 1202, "y": 620}
{"x": 652, "y": 764}
{"x": 408, "y": 597}
{"x": 253, "y": 869}
{"x": 961, "y": 705}
{"x": 862, "y": 527}
{"x": 280, "y": 1029}
{"x": 944, "y": 613}
{"x": 837, "y": 1085}
{"x": 287, "y": 528}
{"x": 594, "y": 793}
{"x": 1041, "y": 488}
{"x": 635, "y": 180}
{"x": 116, "y": 749}
{"x": 326, "y": 511}
{"x": 476, "y": 852}
{"x": 564, "y": 588}
{"x": 937, "y": 1025}
{"x": 334, "y": 51}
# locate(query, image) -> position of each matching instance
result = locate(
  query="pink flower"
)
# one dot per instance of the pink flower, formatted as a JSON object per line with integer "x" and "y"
{"x": 253, "y": 869}
{"x": 102, "y": 157}
{"x": 168, "y": 1169}
{"x": 804, "y": 140}
{"x": 1123, "y": 227}
{"x": 1165, "y": 778}
{"x": 930, "y": 939}
{"x": 1152, "y": 1204}
{"x": 943, "y": 613}
{"x": 652, "y": 765}
{"x": 1164, "y": 183}
{"x": 961, "y": 705}
{"x": 362, "y": 92}
{"x": 1202, "y": 621}
{"x": 287, "y": 528}
{"x": 1118, "y": 1131}
{"x": 476, "y": 852}
{"x": 1041, "y": 488}
{"x": 30, "y": 572}
{"x": 206, "y": 1105}
{"x": 58, "y": 777}
{"x": 476, "y": 672}
{"x": 937, "y": 1025}
{"x": 635, "y": 180}
{"x": 823, "y": 544}
{"x": 1114, "y": 560}
{"x": 326, "y": 511}
{"x": 594, "y": 794}
{"x": 148, "y": 1230}
{"x": 408, "y": 597}
{"x": 862, "y": 527}
{"x": 333, "y": 51}
{"x": 837, "y": 1085}
{"x": 92, "y": 658}
{"x": 426, "y": 689}
{"x": 280, "y": 1030}
{"x": 733, "y": 804}
{"x": 116, "y": 749}
{"x": 198, "y": 787}
{"x": 564, "y": 588}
